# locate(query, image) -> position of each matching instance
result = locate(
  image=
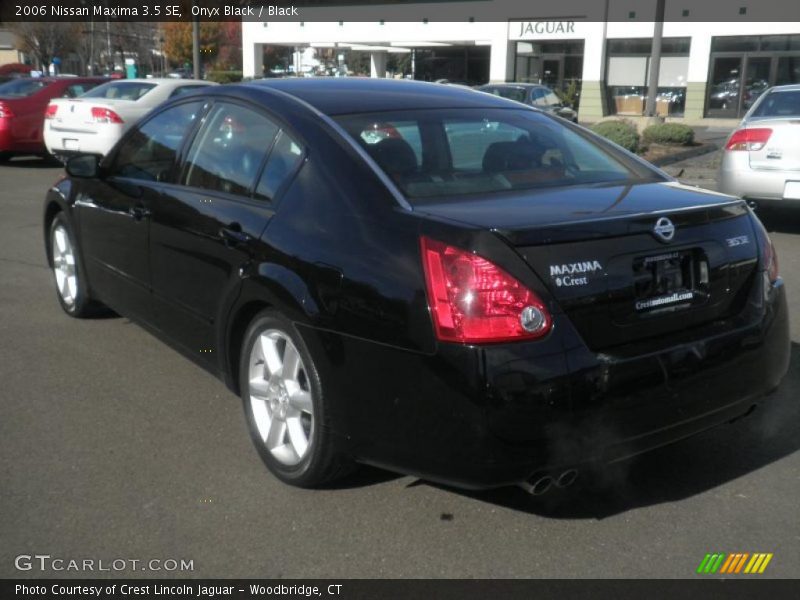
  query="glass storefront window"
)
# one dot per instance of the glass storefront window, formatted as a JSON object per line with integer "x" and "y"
{"x": 628, "y": 70}
{"x": 788, "y": 70}
{"x": 742, "y": 68}
{"x": 734, "y": 44}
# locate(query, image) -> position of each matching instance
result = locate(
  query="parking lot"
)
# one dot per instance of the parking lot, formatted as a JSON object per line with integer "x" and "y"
{"x": 113, "y": 445}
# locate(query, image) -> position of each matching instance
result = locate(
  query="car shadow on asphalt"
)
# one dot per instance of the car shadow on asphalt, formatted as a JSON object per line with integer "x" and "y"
{"x": 783, "y": 220}
{"x": 31, "y": 162}
{"x": 675, "y": 472}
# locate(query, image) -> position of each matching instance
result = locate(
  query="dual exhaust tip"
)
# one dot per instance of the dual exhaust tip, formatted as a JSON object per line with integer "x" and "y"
{"x": 544, "y": 483}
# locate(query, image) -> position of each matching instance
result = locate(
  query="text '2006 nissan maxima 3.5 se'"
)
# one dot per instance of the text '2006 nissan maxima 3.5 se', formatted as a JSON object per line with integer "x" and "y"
{"x": 425, "y": 278}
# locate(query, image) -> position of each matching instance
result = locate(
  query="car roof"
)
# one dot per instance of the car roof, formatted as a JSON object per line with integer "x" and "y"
{"x": 164, "y": 81}
{"x": 68, "y": 78}
{"x": 347, "y": 95}
{"x": 792, "y": 87}
{"x": 515, "y": 85}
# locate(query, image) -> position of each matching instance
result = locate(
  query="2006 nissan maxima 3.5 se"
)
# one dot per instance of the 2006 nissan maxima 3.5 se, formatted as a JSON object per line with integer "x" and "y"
{"x": 433, "y": 280}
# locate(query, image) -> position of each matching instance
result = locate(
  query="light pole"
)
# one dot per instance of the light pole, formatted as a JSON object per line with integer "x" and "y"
{"x": 196, "y": 46}
{"x": 655, "y": 61}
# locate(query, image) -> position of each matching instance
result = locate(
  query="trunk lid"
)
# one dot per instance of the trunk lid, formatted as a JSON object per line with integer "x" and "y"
{"x": 782, "y": 150}
{"x": 75, "y": 114}
{"x": 597, "y": 251}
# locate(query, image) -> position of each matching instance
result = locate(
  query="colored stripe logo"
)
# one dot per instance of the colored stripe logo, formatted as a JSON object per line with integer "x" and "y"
{"x": 735, "y": 563}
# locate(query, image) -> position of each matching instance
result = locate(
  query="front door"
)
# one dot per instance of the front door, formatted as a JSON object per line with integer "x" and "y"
{"x": 114, "y": 210}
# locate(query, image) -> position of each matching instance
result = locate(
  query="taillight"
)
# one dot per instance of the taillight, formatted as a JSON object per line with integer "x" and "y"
{"x": 50, "y": 111}
{"x": 105, "y": 115}
{"x": 749, "y": 139}
{"x": 5, "y": 111}
{"x": 770, "y": 260}
{"x": 474, "y": 301}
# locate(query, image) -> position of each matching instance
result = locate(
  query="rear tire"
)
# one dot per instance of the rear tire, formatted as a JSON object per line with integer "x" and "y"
{"x": 287, "y": 412}
{"x": 5, "y": 157}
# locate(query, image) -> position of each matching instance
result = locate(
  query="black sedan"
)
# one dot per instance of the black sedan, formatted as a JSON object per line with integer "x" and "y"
{"x": 532, "y": 94}
{"x": 424, "y": 278}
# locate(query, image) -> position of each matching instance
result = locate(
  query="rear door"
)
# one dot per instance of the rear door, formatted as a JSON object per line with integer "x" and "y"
{"x": 114, "y": 211}
{"x": 205, "y": 229}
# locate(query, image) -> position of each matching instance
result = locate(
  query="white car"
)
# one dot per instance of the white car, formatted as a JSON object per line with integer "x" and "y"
{"x": 761, "y": 159}
{"x": 92, "y": 123}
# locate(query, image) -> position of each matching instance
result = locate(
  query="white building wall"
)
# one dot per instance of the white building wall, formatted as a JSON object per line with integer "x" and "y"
{"x": 501, "y": 36}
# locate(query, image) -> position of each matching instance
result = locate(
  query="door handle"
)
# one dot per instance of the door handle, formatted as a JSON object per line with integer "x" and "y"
{"x": 139, "y": 212}
{"x": 233, "y": 235}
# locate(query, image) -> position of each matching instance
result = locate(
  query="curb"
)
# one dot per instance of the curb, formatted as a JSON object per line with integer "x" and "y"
{"x": 690, "y": 153}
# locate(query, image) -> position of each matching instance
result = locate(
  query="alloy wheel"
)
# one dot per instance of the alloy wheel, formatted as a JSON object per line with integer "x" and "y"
{"x": 64, "y": 266}
{"x": 280, "y": 397}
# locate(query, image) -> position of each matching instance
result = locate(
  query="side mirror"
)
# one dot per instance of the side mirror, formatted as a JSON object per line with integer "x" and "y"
{"x": 85, "y": 166}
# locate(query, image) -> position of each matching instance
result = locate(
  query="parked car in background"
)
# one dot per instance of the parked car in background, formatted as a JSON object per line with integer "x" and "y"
{"x": 761, "y": 159}
{"x": 426, "y": 278}
{"x": 532, "y": 94}
{"x": 23, "y": 102}
{"x": 95, "y": 121}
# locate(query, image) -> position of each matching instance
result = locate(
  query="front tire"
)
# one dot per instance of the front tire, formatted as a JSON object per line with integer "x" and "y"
{"x": 71, "y": 288}
{"x": 287, "y": 412}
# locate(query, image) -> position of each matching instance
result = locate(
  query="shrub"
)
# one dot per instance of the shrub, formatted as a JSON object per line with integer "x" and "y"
{"x": 224, "y": 76}
{"x": 669, "y": 133}
{"x": 620, "y": 132}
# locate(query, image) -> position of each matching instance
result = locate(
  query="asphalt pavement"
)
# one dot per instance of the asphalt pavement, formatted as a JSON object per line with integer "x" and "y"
{"x": 114, "y": 446}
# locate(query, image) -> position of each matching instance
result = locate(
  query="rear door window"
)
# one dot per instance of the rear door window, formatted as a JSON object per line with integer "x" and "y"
{"x": 282, "y": 162}
{"x": 149, "y": 152}
{"x": 229, "y": 149}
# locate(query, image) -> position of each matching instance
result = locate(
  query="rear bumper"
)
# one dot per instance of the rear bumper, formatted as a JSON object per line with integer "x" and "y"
{"x": 487, "y": 417}
{"x": 66, "y": 143}
{"x": 735, "y": 177}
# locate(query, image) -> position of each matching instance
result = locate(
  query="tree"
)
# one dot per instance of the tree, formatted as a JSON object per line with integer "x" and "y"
{"x": 230, "y": 46}
{"x": 178, "y": 41}
{"x": 45, "y": 41}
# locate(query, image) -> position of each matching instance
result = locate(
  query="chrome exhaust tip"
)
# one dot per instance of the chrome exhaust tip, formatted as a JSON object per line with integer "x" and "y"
{"x": 539, "y": 486}
{"x": 567, "y": 478}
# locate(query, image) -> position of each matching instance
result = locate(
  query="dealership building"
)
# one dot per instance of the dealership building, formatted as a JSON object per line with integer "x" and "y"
{"x": 709, "y": 69}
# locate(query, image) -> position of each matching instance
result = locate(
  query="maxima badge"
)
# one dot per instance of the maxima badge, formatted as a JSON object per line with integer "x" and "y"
{"x": 664, "y": 229}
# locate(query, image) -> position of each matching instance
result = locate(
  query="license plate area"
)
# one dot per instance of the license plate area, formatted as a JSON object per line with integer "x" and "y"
{"x": 791, "y": 190}
{"x": 670, "y": 281}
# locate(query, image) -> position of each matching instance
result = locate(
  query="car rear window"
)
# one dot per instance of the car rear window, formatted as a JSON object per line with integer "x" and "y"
{"x": 21, "y": 88}
{"x": 512, "y": 93}
{"x": 455, "y": 152}
{"x": 779, "y": 103}
{"x": 120, "y": 90}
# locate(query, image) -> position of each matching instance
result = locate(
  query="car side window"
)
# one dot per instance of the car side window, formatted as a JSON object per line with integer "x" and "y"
{"x": 149, "y": 152}
{"x": 283, "y": 160}
{"x": 75, "y": 90}
{"x": 227, "y": 152}
{"x": 538, "y": 97}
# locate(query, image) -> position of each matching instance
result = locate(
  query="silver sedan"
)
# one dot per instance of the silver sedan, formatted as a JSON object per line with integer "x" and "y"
{"x": 761, "y": 159}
